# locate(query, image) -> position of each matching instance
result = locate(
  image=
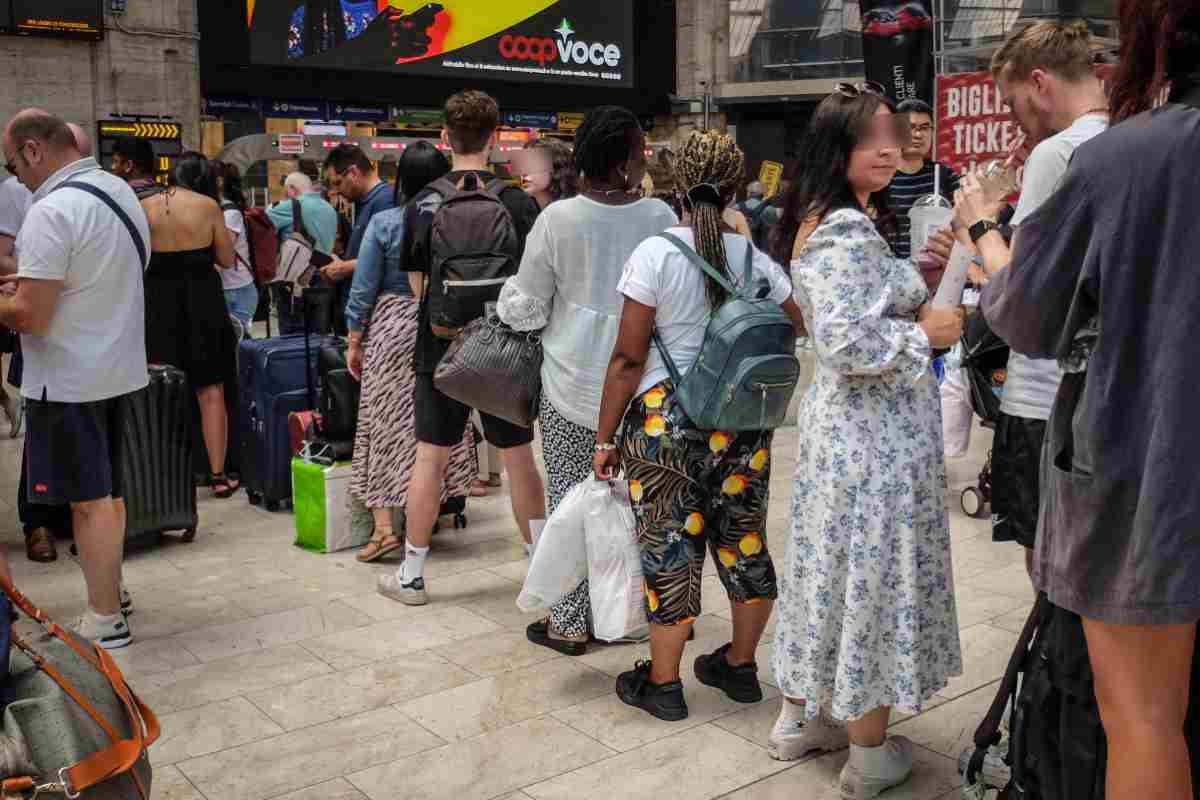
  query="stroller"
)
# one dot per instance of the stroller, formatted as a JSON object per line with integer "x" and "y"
{"x": 985, "y": 360}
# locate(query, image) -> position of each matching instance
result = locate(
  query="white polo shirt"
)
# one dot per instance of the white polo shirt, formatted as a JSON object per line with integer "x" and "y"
{"x": 95, "y": 348}
{"x": 15, "y": 201}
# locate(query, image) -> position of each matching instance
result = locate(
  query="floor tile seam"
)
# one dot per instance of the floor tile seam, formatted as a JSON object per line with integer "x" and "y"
{"x": 775, "y": 770}
{"x": 179, "y": 765}
{"x": 357, "y": 626}
{"x": 242, "y": 694}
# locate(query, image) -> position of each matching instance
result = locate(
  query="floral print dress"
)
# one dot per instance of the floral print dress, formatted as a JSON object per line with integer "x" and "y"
{"x": 866, "y": 614}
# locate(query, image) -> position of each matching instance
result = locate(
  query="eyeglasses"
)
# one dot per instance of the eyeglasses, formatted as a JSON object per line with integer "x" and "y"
{"x": 859, "y": 89}
{"x": 922, "y": 128}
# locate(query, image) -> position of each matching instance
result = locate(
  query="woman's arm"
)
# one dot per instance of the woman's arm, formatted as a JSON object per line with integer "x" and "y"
{"x": 846, "y": 279}
{"x": 527, "y": 300}
{"x": 625, "y": 370}
{"x": 368, "y": 275}
{"x": 223, "y": 252}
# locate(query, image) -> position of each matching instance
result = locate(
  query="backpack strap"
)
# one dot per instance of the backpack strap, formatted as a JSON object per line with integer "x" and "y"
{"x": 704, "y": 266}
{"x": 116, "y": 209}
{"x": 298, "y": 221}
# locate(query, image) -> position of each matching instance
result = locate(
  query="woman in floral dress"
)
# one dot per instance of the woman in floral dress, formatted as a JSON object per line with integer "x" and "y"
{"x": 866, "y": 616}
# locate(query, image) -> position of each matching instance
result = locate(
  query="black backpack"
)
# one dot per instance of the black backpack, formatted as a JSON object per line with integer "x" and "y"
{"x": 473, "y": 250}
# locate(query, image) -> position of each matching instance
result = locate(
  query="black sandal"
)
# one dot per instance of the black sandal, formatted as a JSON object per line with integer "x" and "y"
{"x": 224, "y": 487}
{"x": 539, "y": 633}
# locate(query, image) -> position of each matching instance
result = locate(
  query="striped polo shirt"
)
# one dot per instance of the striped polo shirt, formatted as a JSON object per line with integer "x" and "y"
{"x": 905, "y": 189}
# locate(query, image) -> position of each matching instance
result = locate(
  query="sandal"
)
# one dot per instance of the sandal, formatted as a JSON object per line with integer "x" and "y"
{"x": 541, "y": 633}
{"x": 383, "y": 543}
{"x": 224, "y": 487}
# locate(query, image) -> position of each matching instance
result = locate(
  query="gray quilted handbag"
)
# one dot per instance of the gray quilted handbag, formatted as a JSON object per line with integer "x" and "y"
{"x": 75, "y": 729}
{"x": 494, "y": 370}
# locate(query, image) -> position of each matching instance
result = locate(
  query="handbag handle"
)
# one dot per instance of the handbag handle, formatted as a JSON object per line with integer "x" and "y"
{"x": 120, "y": 757}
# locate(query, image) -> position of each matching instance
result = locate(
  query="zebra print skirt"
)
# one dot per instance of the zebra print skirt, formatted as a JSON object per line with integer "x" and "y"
{"x": 385, "y": 445}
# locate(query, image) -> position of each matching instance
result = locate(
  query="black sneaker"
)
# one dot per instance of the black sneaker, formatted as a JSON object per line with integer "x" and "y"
{"x": 740, "y": 683}
{"x": 664, "y": 701}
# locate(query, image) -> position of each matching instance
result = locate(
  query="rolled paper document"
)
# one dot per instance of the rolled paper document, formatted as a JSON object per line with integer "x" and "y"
{"x": 950, "y": 291}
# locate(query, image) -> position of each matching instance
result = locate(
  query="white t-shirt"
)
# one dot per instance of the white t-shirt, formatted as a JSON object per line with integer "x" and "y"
{"x": 240, "y": 275}
{"x": 660, "y": 275}
{"x": 95, "y": 348}
{"x": 15, "y": 201}
{"x": 573, "y": 259}
{"x": 1032, "y": 384}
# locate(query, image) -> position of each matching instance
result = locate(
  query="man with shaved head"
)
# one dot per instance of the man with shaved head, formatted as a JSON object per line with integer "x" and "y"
{"x": 79, "y": 309}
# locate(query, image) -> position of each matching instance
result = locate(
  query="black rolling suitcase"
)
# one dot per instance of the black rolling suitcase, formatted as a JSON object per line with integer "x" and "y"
{"x": 160, "y": 494}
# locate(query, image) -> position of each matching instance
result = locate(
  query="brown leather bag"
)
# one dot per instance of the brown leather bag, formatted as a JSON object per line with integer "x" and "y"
{"x": 76, "y": 729}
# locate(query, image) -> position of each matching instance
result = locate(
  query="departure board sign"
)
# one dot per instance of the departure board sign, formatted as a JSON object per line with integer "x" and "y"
{"x": 68, "y": 19}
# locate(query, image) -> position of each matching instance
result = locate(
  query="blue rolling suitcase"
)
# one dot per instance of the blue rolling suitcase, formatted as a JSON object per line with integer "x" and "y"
{"x": 271, "y": 385}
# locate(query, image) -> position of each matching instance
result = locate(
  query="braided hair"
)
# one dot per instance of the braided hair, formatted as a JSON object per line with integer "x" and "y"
{"x": 604, "y": 141}
{"x": 711, "y": 158}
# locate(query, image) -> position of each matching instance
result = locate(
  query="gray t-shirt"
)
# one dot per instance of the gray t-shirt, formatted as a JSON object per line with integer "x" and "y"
{"x": 1033, "y": 384}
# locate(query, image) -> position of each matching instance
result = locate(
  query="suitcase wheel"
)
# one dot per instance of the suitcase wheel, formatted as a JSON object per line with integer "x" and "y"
{"x": 973, "y": 502}
{"x": 272, "y": 505}
{"x": 254, "y": 498}
{"x": 460, "y": 521}
{"x": 189, "y": 535}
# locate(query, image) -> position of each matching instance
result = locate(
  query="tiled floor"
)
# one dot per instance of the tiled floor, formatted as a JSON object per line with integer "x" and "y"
{"x": 280, "y": 674}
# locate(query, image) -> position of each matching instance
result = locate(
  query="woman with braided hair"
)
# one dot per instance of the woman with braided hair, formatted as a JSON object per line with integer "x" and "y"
{"x": 567, "y": 285}
{"x": 690, "y": 487}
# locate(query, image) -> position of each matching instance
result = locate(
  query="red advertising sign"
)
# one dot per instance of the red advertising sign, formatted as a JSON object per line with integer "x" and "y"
{"x": 973, "y": 126}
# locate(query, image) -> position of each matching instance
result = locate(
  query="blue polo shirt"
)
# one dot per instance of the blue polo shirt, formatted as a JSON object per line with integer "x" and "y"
{"x": 381, "y": 198}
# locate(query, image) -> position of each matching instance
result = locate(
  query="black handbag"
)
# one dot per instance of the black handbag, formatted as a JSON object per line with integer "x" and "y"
{"x": 339, "y": 396}
{"x": 494, "y": 370}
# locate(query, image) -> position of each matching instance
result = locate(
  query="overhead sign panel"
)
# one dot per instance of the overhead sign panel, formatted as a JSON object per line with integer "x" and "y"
{"x": 142, "y": 130}
{"x": 67, "y": 19}
{"x": 575, "y": 42}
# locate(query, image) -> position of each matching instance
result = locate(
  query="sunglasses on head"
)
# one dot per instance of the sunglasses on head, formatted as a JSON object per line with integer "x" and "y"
{"x": 859, "y": 89}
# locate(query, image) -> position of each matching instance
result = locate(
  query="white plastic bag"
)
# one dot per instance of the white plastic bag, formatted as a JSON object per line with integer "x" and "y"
{"x": 958, "y": 416}
{"x": 614, "y": 562}
{"x": 559, "y": 561}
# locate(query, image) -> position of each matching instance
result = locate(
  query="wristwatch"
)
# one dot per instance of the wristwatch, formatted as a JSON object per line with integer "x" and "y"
{"x": 981, "y": 229}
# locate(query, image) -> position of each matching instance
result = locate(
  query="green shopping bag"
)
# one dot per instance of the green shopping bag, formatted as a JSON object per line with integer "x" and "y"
{"x": 319, "y": 498}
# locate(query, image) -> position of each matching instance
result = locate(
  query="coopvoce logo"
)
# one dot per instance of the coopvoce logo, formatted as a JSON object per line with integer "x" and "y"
{"x": 566, "y": 49}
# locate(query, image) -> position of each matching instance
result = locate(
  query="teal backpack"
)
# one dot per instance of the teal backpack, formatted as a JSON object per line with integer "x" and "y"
{"x": 746, "y": 372}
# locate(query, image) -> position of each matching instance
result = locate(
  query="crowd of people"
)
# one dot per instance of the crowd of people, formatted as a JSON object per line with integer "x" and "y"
{"x": 1085, "y": 279}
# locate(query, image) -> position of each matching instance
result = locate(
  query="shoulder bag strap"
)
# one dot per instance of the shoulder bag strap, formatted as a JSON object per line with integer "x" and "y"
{"x": 298, "y": 220}
{"x": 116, "y": 209}
{"x": 748, "y": 273}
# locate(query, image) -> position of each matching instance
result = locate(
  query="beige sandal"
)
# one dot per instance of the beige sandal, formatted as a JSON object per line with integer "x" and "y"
{"x": 383, "y": 543}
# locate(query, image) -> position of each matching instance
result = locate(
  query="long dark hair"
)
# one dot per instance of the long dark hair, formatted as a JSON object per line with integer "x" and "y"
{"x": 1160, "y": 45}
{"x": 709, "y": 161}
{"x": 420, "y": 165}
{"x": 195, "y": 173}
{"x": 821, "y": 177}
{"x": 230, "y": 183}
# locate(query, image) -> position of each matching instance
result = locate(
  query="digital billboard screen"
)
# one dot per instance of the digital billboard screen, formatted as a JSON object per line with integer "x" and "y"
{"x": 574, "y": 42}
{"x": 73, "y": 19}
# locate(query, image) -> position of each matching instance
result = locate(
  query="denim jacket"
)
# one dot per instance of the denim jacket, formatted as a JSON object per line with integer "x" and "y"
{"x": 380, "y": 267}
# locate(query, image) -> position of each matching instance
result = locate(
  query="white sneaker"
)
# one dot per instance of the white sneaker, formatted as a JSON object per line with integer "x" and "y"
{"x": 995, "y": 773}
{"x": 790, "y": 742}
{"x": 109, "y": 636}
{"x": 411, "y": 594}
{"x": 872, "y": 771}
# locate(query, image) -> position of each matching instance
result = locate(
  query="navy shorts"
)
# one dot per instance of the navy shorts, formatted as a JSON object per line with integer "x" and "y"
{"x": 73, "y": 451}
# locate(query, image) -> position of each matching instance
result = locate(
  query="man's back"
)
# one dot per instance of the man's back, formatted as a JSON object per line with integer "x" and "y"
{"x": 320, "y": 219}
{"x": 95, "y": 346}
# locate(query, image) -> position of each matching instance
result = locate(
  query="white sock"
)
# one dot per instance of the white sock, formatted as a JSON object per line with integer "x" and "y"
{"x": 106, "y": 619}
{"x": 872, "y": 760}
{"x": 414, "y": 563}
{"x": 790, "y": 716}
{"x": 529, "y": 550}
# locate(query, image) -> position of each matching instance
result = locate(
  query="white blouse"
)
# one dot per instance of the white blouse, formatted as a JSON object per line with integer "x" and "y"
{"x": 567, "y": 285}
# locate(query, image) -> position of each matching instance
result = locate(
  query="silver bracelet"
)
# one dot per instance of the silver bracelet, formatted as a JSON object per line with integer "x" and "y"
{"x": 606, "y": 447}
